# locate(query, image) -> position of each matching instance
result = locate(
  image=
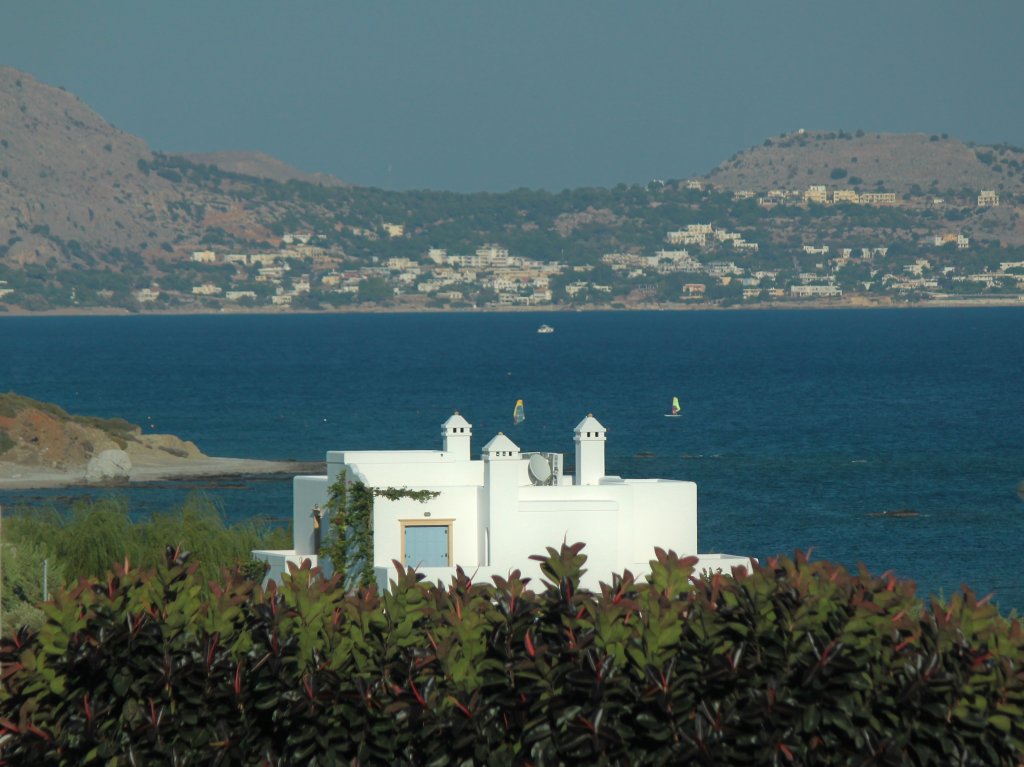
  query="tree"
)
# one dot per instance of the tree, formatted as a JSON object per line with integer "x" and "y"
{"x": 375, "y": 289}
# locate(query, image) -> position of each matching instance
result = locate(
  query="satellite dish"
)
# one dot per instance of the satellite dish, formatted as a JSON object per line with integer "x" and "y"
{"x": 540, "y": 469}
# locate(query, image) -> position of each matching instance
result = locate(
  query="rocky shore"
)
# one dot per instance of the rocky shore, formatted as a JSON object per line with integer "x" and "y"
{"x": 16, "y": 477}
{"x": 844, "y": 302}
{"x": 41, "y": 446}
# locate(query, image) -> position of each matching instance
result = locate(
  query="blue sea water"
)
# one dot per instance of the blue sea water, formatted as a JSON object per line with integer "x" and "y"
{"x": 797, "y": 425}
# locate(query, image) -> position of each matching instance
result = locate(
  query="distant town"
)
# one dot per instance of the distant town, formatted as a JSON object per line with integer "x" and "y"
{"x": 807, "y": 218}
{"x": 698, "y": 263}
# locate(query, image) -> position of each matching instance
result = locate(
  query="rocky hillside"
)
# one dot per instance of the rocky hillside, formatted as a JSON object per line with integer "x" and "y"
{"x": 73, "y": 188}
{"x": 866, "y": 161}
{"x": 40, "y": 434}
{"x": 259, "y": 165}
{"x": 67, "y": 172}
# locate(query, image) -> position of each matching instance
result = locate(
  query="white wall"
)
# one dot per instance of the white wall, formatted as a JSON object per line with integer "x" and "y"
{"x": 405, "y": 468}
{"x": 499, "y": 500}
{"x": 665, "y": 515}
{"x": 278, "y": 561}
{"x": 535, "y": 528}
{"x": 454, "y": 503}
{"x": 307, "y": 492}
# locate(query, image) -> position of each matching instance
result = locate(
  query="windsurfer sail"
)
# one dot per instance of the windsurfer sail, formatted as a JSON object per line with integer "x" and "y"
{"x": 675, "y": 407}
{"x": 519, "y": 414}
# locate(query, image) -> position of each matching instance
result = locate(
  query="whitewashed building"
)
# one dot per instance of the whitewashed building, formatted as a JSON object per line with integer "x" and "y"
{"x": 492, "y": 513}
{"x": 204, "y": 257}
{"x": 815, "y": 291}
{"x": 988, "y": 198}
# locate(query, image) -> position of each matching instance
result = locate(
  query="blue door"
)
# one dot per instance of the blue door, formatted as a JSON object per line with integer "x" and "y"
{"x": 426, "y": 546}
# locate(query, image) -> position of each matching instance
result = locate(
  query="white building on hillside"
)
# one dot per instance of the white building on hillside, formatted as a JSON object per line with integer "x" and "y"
{"x": 988, "y": 198}
{"x": 204, "y": 257}
{"x": 492, "y": 514}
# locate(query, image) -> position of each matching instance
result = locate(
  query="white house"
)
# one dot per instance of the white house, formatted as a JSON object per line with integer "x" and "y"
{"x": 491, "y": 514}
{"x": 988, "y": 197}
{"x": 814, "y": 291}
{"x": 143, "y": 295}
{"x": 204, "y": 257}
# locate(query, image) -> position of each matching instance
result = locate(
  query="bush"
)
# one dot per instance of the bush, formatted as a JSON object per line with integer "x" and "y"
{"x": 83, "y": 542}
{"x": 6, "y": 441}
{"x": 23, "y": 567}
{"x": 793, "y": 662}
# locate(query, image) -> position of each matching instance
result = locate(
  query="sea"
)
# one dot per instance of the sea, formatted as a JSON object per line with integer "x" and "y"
{"x": 799, "y": 427}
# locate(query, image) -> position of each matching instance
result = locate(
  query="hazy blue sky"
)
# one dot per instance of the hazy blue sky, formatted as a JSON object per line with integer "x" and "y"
{"x": 492, "y": 96}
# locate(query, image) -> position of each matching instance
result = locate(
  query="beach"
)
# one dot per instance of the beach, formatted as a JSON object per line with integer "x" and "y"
{"x": 17, "y": 477}
{"x": 417, "y": 307}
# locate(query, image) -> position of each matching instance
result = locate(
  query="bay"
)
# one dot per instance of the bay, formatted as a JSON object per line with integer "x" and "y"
{"x": 798, "y": 426}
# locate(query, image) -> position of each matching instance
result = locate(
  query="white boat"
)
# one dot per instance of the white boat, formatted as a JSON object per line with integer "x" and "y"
{"x": 545, "y": 329}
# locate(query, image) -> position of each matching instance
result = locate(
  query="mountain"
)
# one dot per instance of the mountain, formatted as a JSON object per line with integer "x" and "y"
{"x": 73, "y": 188}
{"x": 91, "y": 217}
{"x": 260, "y": 165}
{"x": 892, "y": 161}
{"x": 67, "y": 172}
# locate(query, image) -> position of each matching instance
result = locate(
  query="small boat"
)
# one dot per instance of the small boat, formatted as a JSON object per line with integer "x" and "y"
{"x": 675, "y": 412}
{"x": 896, "y": 513}
{"x": 519, "y": 413}
{"x": 545, "y": 329}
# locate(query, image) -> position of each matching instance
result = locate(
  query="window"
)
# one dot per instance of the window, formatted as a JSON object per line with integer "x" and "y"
{"x": 427, "y": 543}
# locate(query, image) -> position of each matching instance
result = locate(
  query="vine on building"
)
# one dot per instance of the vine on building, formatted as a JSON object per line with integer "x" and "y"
{"x": 349, "y": 544}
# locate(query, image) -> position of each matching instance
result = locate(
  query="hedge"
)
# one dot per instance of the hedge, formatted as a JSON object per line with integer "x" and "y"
{"x": 792, "y": 662}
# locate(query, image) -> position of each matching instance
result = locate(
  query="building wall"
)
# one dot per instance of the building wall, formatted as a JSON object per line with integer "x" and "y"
{"x": 455, "y": 504}
{"x": 499, "y": 500}
{"x": 404, "y": 468}
{"x": 307, "y": 492}
{"x": 621, "y": 521}
{"x": 664, "y": 513}
{"x": 278, "y": 562}
{"x": 537, "y": 526}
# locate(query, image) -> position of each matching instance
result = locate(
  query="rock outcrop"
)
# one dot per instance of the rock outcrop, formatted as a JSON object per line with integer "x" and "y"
{"x": 109, "y": 466}
{"x": 42, "y": 435}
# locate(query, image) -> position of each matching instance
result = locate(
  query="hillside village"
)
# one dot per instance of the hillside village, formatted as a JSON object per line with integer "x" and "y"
{"x": 92, "y": 219}
{"x": 703, "y": 263}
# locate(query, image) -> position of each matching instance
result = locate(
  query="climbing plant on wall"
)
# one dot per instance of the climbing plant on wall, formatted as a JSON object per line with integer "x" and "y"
{"x": 349, "y": 544}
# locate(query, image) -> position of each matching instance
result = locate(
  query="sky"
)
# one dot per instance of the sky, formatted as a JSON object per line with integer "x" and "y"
{"x": 552, "y": 94}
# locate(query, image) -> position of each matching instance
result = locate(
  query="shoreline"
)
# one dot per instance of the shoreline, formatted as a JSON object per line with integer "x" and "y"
{"x": 851, "y": 303}
{"x": 17, "y": 477}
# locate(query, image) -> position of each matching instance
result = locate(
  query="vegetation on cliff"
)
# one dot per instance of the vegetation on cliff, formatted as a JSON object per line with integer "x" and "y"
{"x": 34, "y": 433}
{"x": 12, "y": 405}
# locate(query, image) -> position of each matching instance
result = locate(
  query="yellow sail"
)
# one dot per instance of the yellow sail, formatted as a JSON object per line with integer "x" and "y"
{"x": 519, "y": 414}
